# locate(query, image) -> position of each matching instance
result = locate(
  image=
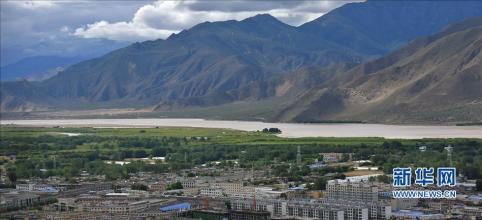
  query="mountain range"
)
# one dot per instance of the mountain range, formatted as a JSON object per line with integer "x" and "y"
{"x": 350, "y": 64}
{"x": 37, "y": 68}
{"x": 436, "y": 78}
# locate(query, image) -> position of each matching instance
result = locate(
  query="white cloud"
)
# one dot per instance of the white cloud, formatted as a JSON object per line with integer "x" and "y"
{"x": 162, "y": 18}
{"x": 121, "y": 31}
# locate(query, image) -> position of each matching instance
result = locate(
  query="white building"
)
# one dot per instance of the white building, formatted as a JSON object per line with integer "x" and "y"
{"x": 32, "y": 187}
{"x": 353, "y": 191}
{"x": 212, "y": 192}
{"x": 316, "y": 209}
{"x": 354, "y": 179}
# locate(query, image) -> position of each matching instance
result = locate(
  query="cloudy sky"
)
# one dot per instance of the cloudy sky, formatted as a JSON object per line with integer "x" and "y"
{"x": 89, "y": 28}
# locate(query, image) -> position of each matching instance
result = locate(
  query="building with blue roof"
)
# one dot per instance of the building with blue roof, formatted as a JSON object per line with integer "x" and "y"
{"x": 49, "y": 190}
{"x": 176, "y": 207}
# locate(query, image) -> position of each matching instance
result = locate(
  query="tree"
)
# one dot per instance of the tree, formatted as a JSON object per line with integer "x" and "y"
{"x": 281, "y": 170}
{"x": 478, "y": 185}
{"x": 384, "y": 179}
{"x": 272, "y": 130}
{"x": 12, "y": 175}
{"x": 158, "y": 152}
{"x": 176, "y": 185}
{"x": 345, "y": 158}
{"x": 140, "y": 154}
{"x": 319, "y": 184}
{"x": 138, "y": 186}
{"x": 114, "y": 172}
{"x": 320, "y": 158}
{"x": 339, "y": 176}
{"x": 70, "y": 171}
{"x": 228, "y": 205}
{"x": 472, "y": 172}
{"x": 304, "y": 171}
{"x": 127, "y": 154}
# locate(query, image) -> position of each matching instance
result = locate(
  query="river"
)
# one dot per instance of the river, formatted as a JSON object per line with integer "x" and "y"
{"x": 288, "y": 129}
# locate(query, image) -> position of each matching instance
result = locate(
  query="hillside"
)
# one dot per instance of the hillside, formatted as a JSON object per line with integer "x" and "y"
{"x": 378, "y": 27}
{"x": 207, "y": 60}
{"x": 37, "y": 68}
{"x": 217, "y": 63}
{"x": 436, "y": 79}
{"x": 23, "y": 96}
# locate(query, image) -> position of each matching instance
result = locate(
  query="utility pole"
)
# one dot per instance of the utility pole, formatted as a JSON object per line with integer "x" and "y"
{"x": 254, "y": 200}
{"x": 252, "y": 172}
{"x": 298, "y": 157}
{"x": 449, "y": 150}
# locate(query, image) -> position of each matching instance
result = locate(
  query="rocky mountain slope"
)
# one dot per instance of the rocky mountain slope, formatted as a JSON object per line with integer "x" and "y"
{"x": 437, "y": 79}
{"x": 255, "y": 59}
{"x": 197, "y": 66}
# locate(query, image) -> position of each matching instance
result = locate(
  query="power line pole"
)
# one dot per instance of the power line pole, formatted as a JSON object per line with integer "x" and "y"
{"x": 298, "y": 157}
{"x": 449, "y": 150}
{"x": 252, "y": 172}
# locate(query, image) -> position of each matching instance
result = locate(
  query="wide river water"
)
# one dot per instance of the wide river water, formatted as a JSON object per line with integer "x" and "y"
{"x": 288, "y": 129}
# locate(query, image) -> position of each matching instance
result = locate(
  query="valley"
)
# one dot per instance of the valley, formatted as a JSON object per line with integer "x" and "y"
{"x": 338, "y": 67}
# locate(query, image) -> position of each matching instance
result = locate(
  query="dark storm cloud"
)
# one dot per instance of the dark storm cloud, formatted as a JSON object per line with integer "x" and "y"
{"x": 30, "y": 28}
{"x": 238, "y": 6}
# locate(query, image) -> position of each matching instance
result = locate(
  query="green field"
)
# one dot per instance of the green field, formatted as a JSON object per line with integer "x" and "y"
{"x": 225, "y": 136}
{"x": 39, "y": 148}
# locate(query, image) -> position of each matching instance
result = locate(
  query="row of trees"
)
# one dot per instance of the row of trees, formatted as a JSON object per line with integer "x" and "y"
{"x": 68, "y": 156}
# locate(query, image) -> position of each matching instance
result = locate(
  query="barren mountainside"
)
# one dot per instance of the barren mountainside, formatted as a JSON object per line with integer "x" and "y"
{"x": 436, "y": 79}
{"x": 346, "y": 65}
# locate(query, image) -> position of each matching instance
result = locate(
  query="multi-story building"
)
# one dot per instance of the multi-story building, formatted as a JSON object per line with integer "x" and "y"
{"x": 315, "y": 209}
{"x": 334, "y": 157}
{"x": 469, "y": 212}
{"x": 192, "y": 182}
{"x": 108, "y": 204}
{"x": 32, "y": 187}
{"x": 157, "y": 187}
{"x": 229, "y": 187}
{"x": 237, "y": 190}
{"x": 212, "y": 192}
{"x": 14, "y": 199}
{"x": 84, "y": 188}
{"x": 188, "y": 183}
{"x": 360, "y": 191}
{"x": 404, "y": 204}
